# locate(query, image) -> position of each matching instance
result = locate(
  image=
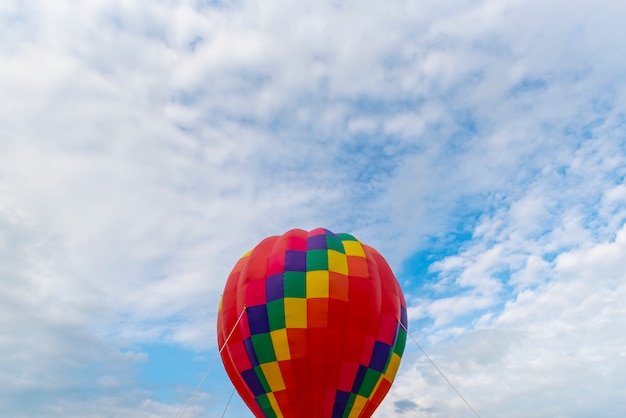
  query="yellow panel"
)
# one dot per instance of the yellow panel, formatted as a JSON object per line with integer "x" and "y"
{"x": 295, "y": 312}
{"x": 337, "y": 262}
{"x": 317, "y": 284}
{"x": 274, "y": 377}
{"x": 219, "y": 307}
{"x": 392, "y": 368}
{"x": 281, "y": 344}
{"x": 274, "y": 403}
{"x": 353, "y": 248}
{"x": 359, "y": 404}
{"x": 380, "y": 379}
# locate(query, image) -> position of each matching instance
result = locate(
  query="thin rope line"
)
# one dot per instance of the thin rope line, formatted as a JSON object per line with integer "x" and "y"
{"x": 228, "y": 403}
{"x": 439, "y": 370}
{"x": 212, "y": 364}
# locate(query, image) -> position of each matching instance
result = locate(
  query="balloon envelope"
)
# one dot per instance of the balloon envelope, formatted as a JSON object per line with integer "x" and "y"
{"x": 310, "y": 325}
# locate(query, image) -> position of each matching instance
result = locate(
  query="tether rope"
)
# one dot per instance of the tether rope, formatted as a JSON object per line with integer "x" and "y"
{"x": 439, "y": 370}
{"x": 212, "y": 364}
{"x": 228, "y": 403}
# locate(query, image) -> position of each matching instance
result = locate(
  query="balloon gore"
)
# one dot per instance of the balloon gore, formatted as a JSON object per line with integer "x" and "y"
{"x": 312, "y": 324}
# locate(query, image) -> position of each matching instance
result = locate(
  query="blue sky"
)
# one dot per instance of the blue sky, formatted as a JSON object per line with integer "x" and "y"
{"x": 480, "y": 146}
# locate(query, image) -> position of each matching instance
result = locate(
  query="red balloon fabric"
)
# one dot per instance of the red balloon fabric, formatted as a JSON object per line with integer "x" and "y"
{"x": 312, "y": 324}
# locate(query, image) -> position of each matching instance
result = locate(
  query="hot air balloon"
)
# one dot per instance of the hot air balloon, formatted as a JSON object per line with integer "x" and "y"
{"x": 312, "y": 324}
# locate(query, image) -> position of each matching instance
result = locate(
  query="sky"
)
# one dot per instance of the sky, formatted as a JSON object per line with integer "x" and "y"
{"x": 479, "y": 145}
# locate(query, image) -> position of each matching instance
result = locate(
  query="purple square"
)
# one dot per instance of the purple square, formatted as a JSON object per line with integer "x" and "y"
{"x": 295, "y": 260}
{"x": 358, "y": 380}
{"x": 316, "y": 242}
{"x": 380, "y": 356}
{"x": 403, "y": 317}
{"x": 247, "y": 343}
{"x": 253, "y": 382}
{"x": 258, "y": 320}
{"x": 341, "y": 402}
{"x": 275, "y": 287}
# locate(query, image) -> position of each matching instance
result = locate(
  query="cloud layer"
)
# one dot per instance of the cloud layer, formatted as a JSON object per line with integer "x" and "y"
{"x": 481, "y": 146}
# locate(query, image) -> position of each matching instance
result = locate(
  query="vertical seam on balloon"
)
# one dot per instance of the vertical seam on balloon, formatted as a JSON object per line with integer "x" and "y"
{"x": 298, "y": 404}
{"x": 308, "y": 334}
{"x": 246, "y": 282}
{"x": 267, "y": 261}
{"x": 343, "y": 348}
{"x": 324, "y": 393}
{"x": 345, "y": 329}
{"x": 378, "y": 289}
{"x": 239, "y": 284}
{"x": 305, "y": 237}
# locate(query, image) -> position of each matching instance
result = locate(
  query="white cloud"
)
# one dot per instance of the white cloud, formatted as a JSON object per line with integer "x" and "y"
{"x": 560, "y": 341}
{"x": 144, "y": 147}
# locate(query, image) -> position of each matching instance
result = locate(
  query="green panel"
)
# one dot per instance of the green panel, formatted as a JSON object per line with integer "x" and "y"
{"x": 400, "y": 342}
{"x": 276, "y": 314}
{"x": 369, "y": 382}
{"x": 316, "y": 260}
{"x": 347, "y": 237}
{"x": 295, "y": 284}
{"x": 349, "y": 405}
{"x": 334, "y": 244}
{"x": 263, "y": 347}
{"x": 262, "y": 379}
{"x": 266, "y": 406}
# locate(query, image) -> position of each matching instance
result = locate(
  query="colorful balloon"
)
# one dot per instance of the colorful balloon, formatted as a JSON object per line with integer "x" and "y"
{"x": 312, "y": 324}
